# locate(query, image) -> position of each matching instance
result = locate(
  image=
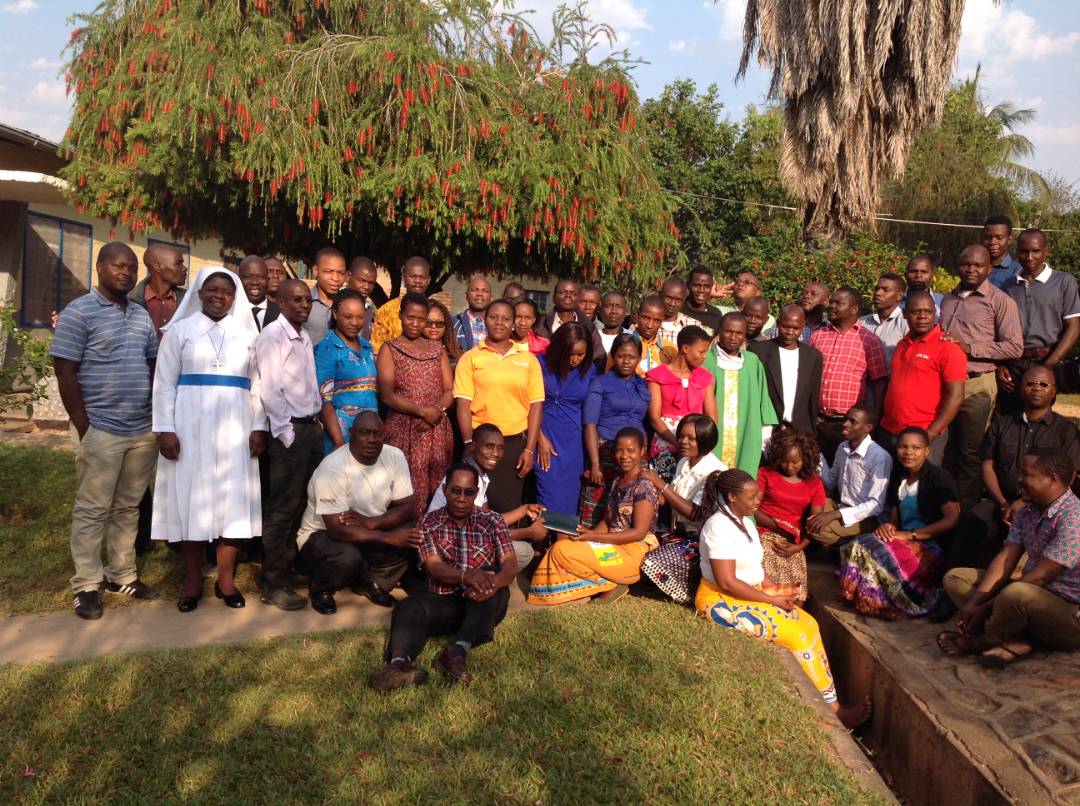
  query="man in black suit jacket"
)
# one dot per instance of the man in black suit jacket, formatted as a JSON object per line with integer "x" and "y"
{"x": 255, "y": 278}
{"x": 785, "y": 356}
{"x": 566, "y": 309}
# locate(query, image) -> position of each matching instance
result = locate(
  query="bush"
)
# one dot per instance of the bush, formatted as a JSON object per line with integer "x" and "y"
{"x": 25, "y": 370}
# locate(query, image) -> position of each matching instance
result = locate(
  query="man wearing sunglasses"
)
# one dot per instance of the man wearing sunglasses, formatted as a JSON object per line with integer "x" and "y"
{"x": 470, "y": 565}
{"x": 982, "y": 528}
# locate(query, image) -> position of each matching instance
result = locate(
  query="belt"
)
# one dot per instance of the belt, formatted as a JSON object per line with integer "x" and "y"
{"x": 194, "y": 379}
{"x": 832, "y": 418}
{"x": 304, "y": 420}
{"x": 978, "y": 374}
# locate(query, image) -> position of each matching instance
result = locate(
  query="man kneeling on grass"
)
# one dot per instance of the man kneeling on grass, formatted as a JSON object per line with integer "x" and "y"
{"x": 1001, "y": 617}
{"x": 470, "y": 563}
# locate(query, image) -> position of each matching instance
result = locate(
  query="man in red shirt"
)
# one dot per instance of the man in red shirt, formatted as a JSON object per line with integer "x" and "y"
{"x": 928, "y": 375}
{"x": 853, "y": 364}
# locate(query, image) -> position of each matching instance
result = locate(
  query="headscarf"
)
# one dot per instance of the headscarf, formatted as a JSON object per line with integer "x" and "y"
{"x": 191, "y": 304}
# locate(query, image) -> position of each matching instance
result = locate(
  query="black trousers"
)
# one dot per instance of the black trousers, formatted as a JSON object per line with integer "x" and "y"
{"x": 830, "y": 433}
{"x": 334, "y": 565}
{"x": 506, "y": 491}
{"x": 978, "y": 536}
{"x": 425, "y": 614}
{"x": 289, "y": 474}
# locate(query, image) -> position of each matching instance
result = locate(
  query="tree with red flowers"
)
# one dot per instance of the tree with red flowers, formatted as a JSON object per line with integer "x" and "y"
{"x": 390, "y": 127}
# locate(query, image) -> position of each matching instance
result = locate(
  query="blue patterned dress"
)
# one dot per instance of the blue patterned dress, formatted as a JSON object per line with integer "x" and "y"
{"x": 346, "y": 379}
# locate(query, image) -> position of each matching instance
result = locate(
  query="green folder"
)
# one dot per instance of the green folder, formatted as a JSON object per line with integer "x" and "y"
{"x": 560, "y": 522}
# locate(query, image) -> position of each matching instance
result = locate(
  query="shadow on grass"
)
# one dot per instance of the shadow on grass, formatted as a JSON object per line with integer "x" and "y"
{"x": 637, "y": 702}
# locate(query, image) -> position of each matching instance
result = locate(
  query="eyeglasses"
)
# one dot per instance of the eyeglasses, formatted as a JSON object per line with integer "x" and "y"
{"x": 468, "y": 492}
{"x": 435, "y": 323}
{"x": 1041, "y": 384}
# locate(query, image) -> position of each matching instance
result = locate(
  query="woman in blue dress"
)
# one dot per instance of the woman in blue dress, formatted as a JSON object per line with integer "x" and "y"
{"x": 560, "y": 460}
{"x": 345, "y": 366}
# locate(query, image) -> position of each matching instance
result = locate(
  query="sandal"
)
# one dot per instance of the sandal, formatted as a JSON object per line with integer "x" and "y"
{"x": 954, "y": 645}
{"x": 988, "y": 661}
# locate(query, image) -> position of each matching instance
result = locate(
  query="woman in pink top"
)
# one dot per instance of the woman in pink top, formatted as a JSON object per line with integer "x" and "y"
{"x": 676, "y": 390}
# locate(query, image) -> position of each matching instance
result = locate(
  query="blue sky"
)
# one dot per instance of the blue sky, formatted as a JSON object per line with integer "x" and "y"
{"x": 1027, "y": 48}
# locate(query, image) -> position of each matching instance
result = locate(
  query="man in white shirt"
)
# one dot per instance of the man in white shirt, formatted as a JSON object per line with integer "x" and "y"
{"x": 487, "y": 450}
{"x": 357, "y": 526}
{"x": 887, "y": 322}
{"x": 255, "y": 277}
{"x": 289, "y": 391}
{"x": 860, "y": 478}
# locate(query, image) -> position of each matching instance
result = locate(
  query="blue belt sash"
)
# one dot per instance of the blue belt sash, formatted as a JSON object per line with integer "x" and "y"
{"x": 239, "y": 381}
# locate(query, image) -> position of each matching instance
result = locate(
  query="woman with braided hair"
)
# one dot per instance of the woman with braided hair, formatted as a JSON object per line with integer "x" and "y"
{"x": 734, "y": 591}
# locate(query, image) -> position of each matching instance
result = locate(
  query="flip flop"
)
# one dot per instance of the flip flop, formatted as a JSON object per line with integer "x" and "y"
{"x": 997, "y": 662}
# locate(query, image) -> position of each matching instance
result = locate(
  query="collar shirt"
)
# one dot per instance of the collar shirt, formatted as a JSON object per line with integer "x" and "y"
{"x": 1011, "y": 436}
{"x": 861, "y": 479}
{"x": 1005, "y": 271}
{"x": 481, "y": 540}
{"x": 500, "y": 387}
{"x": 848, "y": 360}
{"x": 890, "y": 330}
{"x": 318, "y": 322}
{"x": 669, "y": 331}
{"x": 113, "y": 345}
{"x": 258, "y": 311}
{"x": 288, "y": 384}
{"x": 1044, "y": 304}
{"x": 1053, "y": 533}
{"x": 809, "y": 330}
{"x": 938, "y": 297}
{"x": 438, "y": 500}
{"x": 921, "y": 367}
{"x": 160, "y": 307}
{"x": 653, "y": 353}
{"x": 708, "y": 320}
{"x": 987, "y": 320}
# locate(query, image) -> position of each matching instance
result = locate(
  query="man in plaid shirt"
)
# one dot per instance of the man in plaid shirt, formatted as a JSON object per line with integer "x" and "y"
{"x": 853, "y": 371}
{"x": 470, "y": 563}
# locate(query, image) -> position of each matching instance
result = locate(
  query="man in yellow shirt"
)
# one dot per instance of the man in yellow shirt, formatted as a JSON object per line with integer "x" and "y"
{"x": 416, "y": 277}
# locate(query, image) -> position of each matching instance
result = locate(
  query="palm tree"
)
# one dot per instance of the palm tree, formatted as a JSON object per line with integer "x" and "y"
{"x": 856, "y": 82}
{"x": 1013, "y": 147}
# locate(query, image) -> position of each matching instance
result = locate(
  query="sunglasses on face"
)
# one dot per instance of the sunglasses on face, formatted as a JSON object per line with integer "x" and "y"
{"x": 435, "y": 323}
{"x": 1040, "y": 384}
{"x": 467, "y": 492}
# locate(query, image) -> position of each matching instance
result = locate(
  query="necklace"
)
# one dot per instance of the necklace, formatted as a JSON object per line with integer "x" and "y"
{"x": 217, "y": 362}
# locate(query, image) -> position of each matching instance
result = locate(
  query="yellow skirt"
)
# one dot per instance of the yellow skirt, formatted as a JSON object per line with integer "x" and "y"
{"x": 577, "y": 569}
{"x": 796, "y": 631}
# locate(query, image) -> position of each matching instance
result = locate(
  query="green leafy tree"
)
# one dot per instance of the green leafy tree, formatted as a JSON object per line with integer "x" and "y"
{"x": 706, "y": 161}
{"x": 392, "y": 127}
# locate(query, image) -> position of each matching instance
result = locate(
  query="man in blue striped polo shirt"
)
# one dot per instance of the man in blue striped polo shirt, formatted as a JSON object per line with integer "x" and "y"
{"x": 103, "y": 353}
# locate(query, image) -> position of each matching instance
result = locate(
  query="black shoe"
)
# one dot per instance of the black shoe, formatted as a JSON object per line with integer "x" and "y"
{"x": 185, "y": 604}
{"x": 323, "y": 602}
{"x": 451, "y": 662}
{"x": 136, "y": 589}
{"x": 285, "y": 598}
{"x": 943, "y": 611}
{"x": 88, "y": 605}
{"x": 233, "y": 600}
{"x": 397, "y": 674}
{"x": 372, "y": 592}
{"x": 297, "y": 580}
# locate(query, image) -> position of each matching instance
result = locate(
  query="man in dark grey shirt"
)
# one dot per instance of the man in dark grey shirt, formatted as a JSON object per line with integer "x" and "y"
{"x": 1049, "y": 308}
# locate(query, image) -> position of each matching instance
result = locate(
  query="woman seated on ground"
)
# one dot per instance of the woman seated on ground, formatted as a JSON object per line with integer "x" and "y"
{"x": 896, "y": 572}
{"x": 734, "y": 591}
{"x": 791, "y": 491}
{"x": 606, "y": 559}
{"x": 616, "y": 399}
{"x": 345, "y": 366}
{"x": 673, "y": 567}
{"x": 677, "y": 389}
{"x": 526, "y": 318}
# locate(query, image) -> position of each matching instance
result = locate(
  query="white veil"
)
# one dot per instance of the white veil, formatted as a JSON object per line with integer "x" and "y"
{"x": 191, "y": 304}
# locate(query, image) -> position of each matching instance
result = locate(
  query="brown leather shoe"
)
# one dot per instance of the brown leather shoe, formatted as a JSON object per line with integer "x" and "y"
{"x": 397, "y": 674}
{"x": 452, "y": 664}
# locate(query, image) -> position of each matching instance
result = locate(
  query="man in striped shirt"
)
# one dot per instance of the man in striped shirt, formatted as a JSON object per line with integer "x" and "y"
{"x": 103, "y": 353}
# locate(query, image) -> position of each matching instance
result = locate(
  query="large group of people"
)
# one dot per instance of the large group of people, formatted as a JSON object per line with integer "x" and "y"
{"x": 705, "y": 449}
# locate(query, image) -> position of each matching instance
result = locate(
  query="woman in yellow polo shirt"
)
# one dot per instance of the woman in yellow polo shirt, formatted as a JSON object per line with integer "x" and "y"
{"x": 500, "y": 382}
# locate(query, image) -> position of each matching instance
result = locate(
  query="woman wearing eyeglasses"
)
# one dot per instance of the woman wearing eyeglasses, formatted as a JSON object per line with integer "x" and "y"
{"x": 416, "y": 382}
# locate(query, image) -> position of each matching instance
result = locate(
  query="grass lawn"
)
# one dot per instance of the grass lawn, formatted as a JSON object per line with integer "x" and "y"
{"x": 639, "y": 702}
{"x": 37, "y": 486}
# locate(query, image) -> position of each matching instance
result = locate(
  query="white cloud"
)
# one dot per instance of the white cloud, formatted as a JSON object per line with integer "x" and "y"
{"x": 731, "y": 14}
{"x": 623, "y": 17}
{"x": 999, "y": 35}
{"x": 50, "y": 91}
{"x": 19, "y": 7}
{"x": 43, "y": 64}
{"x": 1054, "y": 133}
{"x": 677, "y": 45}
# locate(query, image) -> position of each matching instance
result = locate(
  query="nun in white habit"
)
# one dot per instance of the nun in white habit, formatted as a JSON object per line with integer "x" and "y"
{"x": 211, "y": 428}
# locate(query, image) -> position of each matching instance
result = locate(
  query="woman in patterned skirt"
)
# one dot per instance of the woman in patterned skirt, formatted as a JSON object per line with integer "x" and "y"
{"x": 415, "y": 382}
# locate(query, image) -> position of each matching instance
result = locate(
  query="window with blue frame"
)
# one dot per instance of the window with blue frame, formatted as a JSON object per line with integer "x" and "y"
{"x": 57, "y": 266}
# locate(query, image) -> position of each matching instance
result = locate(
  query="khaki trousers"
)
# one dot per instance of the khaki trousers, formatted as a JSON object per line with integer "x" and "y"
{"x": 111, "y": 474}
{"x": 1021, "y": 609}
{"x": 966, "y": 435}
{"x": 836, "y": 531}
